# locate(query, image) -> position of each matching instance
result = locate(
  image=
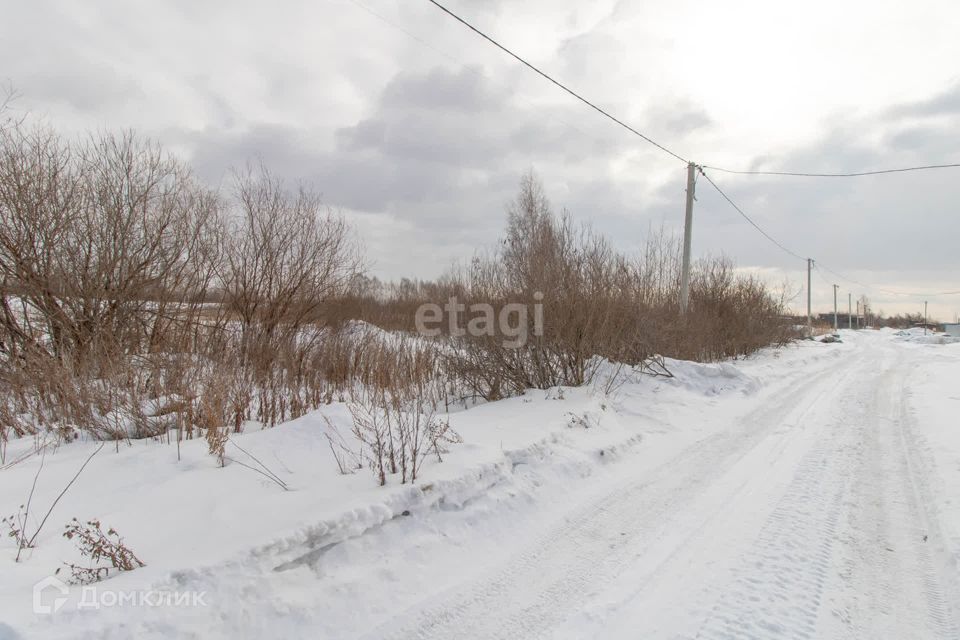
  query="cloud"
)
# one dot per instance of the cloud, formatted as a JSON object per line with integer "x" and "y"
{"x": 945, "y": 103}
{"x": 463, "y": 90}
{"x": 413, "y": 149}
{"x": 897, "y": 221}
{"x": 97, "y": 88}
{"x": 924, "y": 141}
{"x": 439, "y": 173}
{"x": 680, "y": 118}
{"x": 421, "y": 140}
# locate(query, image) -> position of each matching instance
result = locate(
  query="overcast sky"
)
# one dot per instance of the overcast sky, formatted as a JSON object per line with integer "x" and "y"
{"x": 419, "y": 131}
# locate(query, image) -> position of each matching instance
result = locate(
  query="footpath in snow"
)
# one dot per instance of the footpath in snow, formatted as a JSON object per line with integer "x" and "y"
{"x": 806, "y": 492}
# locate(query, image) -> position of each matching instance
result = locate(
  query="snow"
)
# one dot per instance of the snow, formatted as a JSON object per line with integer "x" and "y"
{"x": 809, "y": 491}
{"x": 919, "y": 336}
{"x": 935, "y": 395}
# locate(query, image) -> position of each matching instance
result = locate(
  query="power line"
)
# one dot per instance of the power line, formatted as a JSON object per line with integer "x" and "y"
{"x": 805, "y": 174}
{"x": 557, "y": 83}
{"x": 817, "y": 263}
{"x": 748, "y": 219}
{"x": 835, "y": 175}
{"x": 700, "y": 168}
{"x": 413, "y": 36}
{"x": 909, "y": 294}
{"x": 476, "y": 71}
{"x": 817, "y": 266}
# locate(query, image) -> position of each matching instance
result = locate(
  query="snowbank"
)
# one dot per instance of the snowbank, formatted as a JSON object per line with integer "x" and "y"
{"x": 919, "y": 336}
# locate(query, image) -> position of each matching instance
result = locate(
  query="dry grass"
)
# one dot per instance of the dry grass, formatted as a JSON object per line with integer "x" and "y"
{"x": 136, "y": 303}
{"x": 596, "y": 304}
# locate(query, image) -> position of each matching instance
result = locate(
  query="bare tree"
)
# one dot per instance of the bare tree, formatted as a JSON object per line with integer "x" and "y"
{"x": 103, "y": 249}
{"x": 285, "y": 255}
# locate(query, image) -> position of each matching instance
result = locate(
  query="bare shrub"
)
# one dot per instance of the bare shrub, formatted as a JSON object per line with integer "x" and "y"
{"x": 104, "y": 258}
{"x": 217, "y": 438}
{"x": 346, "y": 458}
{"x": 284, "y": 257}
{"x": 91, "y": 236}
{"x": 126, "y": 292}
{"x": 16, "y": 524}
{"x": 395, "y": 416}
{"x": 596, "y": 305}
{"x": 5, "y": 429}
{"x": 98, "y": 547}
{"x": 135, "y": 303}
{"x": 587, "y": 306}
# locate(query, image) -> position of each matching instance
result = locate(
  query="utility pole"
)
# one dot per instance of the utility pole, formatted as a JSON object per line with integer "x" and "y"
{"x": 924, "y": 317}
{"x": 858, "y": 314}
{"x": 849, "y": 311}
{"x": 687, "y": 231}
{"x": 835, "y": 327}
{"x": 809, "y": 280}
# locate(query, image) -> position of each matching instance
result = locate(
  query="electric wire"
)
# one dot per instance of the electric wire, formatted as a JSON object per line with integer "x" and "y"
{"x": 757, "y": 172}
{"x": 700, "y": 168}
{"x": 749, "y": 219}
{"x": 892, "y": 292}
{"x": 472, "y": 69}
{"x": 854, "y": 174}
{"x": 555, "y": 82}
{"x": 817, "y": 264}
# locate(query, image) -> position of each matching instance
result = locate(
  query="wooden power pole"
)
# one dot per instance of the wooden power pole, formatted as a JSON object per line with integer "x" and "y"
{"x": 835, "y": 327}
{"x": 687, "y": 231}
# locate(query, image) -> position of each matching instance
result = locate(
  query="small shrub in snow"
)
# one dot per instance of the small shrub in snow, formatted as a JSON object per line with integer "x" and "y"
{"x": 582, "y": 420}
{"x": 217, "y": 438}
{"x": 16, "y": 524}
{"x": 398, "y": 428}
{"x": 100, "y": 548}
{"x": 254, "y": 464}
{"x": 347, "y": 460}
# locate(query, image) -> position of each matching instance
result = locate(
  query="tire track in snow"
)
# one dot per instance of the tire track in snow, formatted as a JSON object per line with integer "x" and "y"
{"x": 891, "y": 587}
{"x": 543, "y": 585}
{"x": 941, "y": 586}
{"x": 777, "y": 586}
{"x": 842, "y": 555}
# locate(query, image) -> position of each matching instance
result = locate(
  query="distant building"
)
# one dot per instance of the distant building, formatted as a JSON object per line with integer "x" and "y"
{"x": 952, "y": 329}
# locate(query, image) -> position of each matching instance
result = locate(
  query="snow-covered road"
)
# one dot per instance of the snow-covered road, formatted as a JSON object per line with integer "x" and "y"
{"x": 805, "y": 517}
{"x": 818, "y": 504}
